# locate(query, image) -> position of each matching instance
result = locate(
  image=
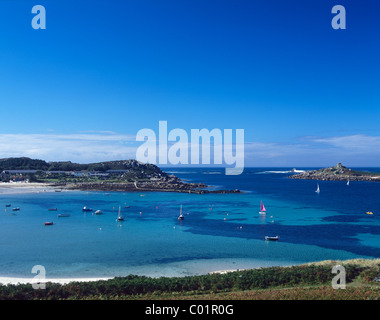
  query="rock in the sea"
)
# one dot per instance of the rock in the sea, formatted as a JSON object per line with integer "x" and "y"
{"x": 338, "y": 173}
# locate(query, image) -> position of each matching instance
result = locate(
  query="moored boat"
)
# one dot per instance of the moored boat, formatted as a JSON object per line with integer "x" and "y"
{"x": 271, "y": 238}
{"x": 85, "y": 209}
{"x": 48, "y": 223}
{"x": 61, "y": 215}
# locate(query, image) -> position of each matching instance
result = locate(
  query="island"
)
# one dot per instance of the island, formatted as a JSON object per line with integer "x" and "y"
{"x": 338, "y": 173}
{"x": 121, "y": 175}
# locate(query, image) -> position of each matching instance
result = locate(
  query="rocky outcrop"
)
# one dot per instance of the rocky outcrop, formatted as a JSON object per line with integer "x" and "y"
{"x": 338, "y": 173}
{"x": 164, "y": 186}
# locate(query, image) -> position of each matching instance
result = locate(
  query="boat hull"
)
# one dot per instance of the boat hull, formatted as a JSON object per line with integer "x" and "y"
{"x": 268, "y": 238}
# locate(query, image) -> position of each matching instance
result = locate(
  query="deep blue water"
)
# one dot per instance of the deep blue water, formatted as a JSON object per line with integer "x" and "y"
{"x": 219, "y": 230}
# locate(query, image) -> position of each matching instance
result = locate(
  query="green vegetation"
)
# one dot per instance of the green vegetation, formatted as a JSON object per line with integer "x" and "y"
{"x": 68, "y": 172}
{"x": 23, "y": 163}
{"x": 311, "y": 281}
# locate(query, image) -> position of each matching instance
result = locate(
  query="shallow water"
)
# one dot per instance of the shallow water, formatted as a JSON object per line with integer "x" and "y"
{"x": 219, "y": 232}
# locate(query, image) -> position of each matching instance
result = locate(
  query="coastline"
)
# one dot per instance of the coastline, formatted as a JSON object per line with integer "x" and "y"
{"x": 25, "y": 187}
{"x": 195, "y": 268}
{"x": 177, "y": 186}
{"x": 169, "y": 270}
{"x": 17, "y": 280}
{"x": 38, "y": 187}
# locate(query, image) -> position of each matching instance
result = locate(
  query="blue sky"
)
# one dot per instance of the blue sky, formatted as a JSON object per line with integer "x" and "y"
{"x": 305, "y": 94}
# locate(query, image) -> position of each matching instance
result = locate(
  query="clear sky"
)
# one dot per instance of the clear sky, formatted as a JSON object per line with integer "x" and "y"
{"x": 304, "y": 93}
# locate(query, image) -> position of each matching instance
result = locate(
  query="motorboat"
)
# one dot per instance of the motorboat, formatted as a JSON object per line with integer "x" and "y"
{"x": 271, "y": 238}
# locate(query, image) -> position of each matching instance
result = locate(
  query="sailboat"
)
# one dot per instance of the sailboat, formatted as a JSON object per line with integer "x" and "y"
{"x": 348, "y": 182}
{"x": 119, "y": 216}
{"x": 181, "y": 217}
{"x": 317, "y": 191}
{"x": 262, "y": 208}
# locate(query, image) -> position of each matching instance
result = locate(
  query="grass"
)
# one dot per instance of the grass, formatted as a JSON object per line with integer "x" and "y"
{"x": 305, "y": 282}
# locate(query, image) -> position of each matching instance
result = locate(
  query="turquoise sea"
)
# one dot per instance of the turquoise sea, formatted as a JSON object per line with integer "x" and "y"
{"x": 219, "y": 232}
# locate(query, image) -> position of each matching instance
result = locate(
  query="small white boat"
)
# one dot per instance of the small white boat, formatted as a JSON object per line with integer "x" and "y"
{"x": 98, "y": 212}
{"x": 85, "y": 209}
{"x": 16, "y": 209}
{"x": 348, "y": 182}
{"x": 318, "y": 190}
{"x": 181, "y": 217}
{"x": 262, "y": 208}
{"x": 271, "y": 238}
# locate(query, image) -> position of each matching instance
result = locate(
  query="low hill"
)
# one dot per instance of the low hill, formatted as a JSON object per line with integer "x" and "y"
{"x": 24, "y": 163}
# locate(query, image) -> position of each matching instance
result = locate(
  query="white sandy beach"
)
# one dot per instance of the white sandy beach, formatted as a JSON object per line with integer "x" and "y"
{"x": 172, "y": 269}
{"x": 24, "y": 187}
{"x": 15, "y": 281}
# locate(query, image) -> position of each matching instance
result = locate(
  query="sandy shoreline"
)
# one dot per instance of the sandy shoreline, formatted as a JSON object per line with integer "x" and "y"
{"x": 172, "y": 269}
{"x": 25, "y": 187}
{"x": 15, "y": 281}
